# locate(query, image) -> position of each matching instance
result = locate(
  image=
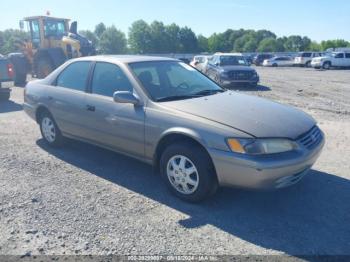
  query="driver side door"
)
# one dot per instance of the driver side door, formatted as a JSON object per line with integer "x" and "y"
{"x": 115, "y": 125}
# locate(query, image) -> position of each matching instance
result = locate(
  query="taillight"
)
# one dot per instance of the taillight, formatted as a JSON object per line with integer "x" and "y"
{"x": 10, "y": 71}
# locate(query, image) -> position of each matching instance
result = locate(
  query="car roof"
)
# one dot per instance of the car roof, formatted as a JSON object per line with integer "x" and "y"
{"x": 229, "y": 54}
{"x": 125, "y": 58}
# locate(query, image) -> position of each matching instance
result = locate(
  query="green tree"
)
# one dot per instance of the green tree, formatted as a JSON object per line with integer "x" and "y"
{"x": 314, "y": 46}
{"x": 90, "y": 36}
{"x": 297, "y": 43}
{"x": 11, "y": 40}
{"x": 161, "y": 40}
{"x": 99, "y": 29}
{"x": 270, "y": 45}
{"x": 202, "y": 43}
{"x": 140, "y": 38}
{"x": 112, "y": 41}
{"x": 334, "y": 44}
{"x": 173, "y": 34}
{"x": 188, "y": 40}
{"x": 215, "y": 43}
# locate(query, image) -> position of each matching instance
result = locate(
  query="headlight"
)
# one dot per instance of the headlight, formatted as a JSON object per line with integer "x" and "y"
{"x": 260, "y": 146}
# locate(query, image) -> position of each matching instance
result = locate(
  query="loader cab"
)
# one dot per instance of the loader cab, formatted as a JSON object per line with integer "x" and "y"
{"x": 47, "y": 32}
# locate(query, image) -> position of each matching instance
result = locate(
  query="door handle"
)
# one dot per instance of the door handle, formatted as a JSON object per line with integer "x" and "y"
{"x": 90, "y": 108}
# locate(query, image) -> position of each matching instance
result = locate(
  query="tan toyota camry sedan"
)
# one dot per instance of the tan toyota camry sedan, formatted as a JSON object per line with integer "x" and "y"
{"x": 166, "y": 113}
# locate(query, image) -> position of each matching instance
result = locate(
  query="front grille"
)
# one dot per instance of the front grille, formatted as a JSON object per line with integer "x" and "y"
{"x": 311, "y": 138}
{"x": 240, "y": 75}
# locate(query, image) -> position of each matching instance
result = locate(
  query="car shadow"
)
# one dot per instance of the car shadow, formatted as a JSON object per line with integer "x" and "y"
{"x": 310, "y": 218}
{"x": 9, "y": 106}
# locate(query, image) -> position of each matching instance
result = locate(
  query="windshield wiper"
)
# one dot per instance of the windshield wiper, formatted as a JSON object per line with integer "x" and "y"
{"x": 198, "y": 94}
{"x": 178, "y": 97}
{"x": 209, "y": 92}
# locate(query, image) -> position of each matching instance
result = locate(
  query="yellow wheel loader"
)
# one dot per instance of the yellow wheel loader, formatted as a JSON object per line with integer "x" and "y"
{"x": 51, "y": 43}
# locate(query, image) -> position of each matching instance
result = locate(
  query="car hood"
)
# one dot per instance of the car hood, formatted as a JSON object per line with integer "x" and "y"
{"x": 253, "y": 115}
{"x": 238, "y": 68}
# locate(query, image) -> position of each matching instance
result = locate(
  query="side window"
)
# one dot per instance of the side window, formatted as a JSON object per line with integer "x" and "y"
{"x": 74, "y": 76}
{"x": 347, "y": 55}
{"x": 341, "y": 55}
{"x": 213, "y": 60}
{"x": 109, "y": 78}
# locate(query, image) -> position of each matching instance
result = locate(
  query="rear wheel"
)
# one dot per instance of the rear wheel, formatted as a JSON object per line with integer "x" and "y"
{"x": 274, "y": 65}
{"x": 49, "y": 130}
{"x": 44, "y": 67}
{"x": 308, "y": 64}
{"x": 188, "y": 172}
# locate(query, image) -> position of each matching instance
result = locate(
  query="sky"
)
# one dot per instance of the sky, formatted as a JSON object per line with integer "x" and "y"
{"x": 317, "y": 19}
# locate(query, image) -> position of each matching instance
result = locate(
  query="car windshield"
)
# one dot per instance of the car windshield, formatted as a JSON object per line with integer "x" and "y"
{"x": 232, "y": 60}
{"x": 171, "y": 80}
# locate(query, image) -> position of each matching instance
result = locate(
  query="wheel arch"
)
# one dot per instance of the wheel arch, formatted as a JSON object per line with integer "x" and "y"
{"x": 40, "y": 109}
{"x": 175, "y": 135}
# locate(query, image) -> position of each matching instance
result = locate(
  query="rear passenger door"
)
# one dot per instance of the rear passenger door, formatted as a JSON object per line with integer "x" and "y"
{"x": 66, "y": 98}
{"x": 114, "y": 125}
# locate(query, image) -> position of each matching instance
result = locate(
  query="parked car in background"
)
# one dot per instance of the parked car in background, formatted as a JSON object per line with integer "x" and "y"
{"x": 259, "y": 58}
{"x": 279, "y": 61}
{"x": 185, "y": 60}
{"x": 6, "y": 75}
{"x": 200, "y": 63}
{"x": 336, "y": 59}
{"x": 305, "y": 58}
{"x": 229, "y": 69}
{"x": 166, "y": 113}
{"x": 249, "y": 59}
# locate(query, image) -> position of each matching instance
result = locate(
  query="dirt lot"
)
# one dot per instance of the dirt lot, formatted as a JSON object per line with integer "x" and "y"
{"x": 84, "y": 200}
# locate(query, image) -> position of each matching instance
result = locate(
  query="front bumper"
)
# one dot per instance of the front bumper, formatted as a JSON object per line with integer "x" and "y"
{"x": 30, "y": 110}
{"x": 316, "y": 63}
{"x": 226, "y": 81}
{"x": 264, "y": 172}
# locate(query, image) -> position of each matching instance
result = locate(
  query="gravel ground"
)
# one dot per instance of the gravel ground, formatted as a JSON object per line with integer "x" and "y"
{"x": 85, "y": 200}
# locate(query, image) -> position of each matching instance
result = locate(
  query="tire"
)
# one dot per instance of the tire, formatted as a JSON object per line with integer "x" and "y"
{"x": 275, "y": 65}
{"x": 49, "y": 130}
{"x": 20, "y": 65}
{"x": 308, "y": 64}
{"x": 44, "y": 67}
{"x": 195, "y": 179}
{"x": 326, "y": 65}
{"x": 4, "y": 96}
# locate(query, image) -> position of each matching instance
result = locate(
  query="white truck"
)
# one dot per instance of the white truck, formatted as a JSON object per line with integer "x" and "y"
{"x": 336, "y": 59}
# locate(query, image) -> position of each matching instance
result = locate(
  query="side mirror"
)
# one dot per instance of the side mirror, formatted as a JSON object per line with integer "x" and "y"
{"x": 74, "y": 28}
{"x": 217, "y": 64}
{"x": 125, "y": 97}
{"x": 196, "y": 63}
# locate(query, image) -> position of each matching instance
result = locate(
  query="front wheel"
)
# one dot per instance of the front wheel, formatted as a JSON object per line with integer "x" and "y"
{"x": 326, "y": 65}
{"x": 275, "y": 65}
{"x": 44, "y": 67}
{"x": 50, "y": 131}
{"x": 188, "y": 172}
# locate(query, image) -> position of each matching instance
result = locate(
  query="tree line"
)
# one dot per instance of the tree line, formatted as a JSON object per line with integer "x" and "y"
{"x": 156, "y": 37}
